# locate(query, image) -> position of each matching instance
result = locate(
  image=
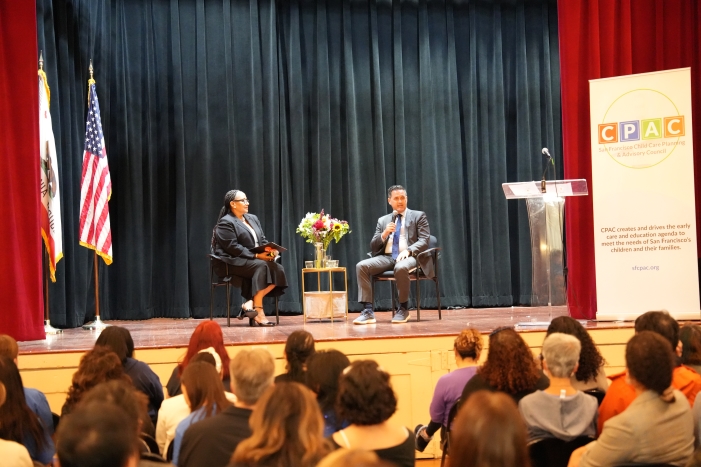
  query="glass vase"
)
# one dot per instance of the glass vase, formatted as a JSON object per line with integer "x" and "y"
{"x": 319, "y": 255}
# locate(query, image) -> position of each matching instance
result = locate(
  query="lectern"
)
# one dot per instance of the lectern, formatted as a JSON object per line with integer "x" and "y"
{"x": 546, "y": 221}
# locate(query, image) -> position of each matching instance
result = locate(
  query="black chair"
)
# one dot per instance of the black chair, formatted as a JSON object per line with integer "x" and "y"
{"x": 554, "y": 452}
{"x": 598, "y": 393}
{"x": 148, "y": 444}
{"x": 229, "y": 281}
{"x": 445, "y": 431}
{"x": 416, "y": 276}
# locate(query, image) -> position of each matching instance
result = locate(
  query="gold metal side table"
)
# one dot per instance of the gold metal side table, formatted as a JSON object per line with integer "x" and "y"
{"x": 320, "y": 304}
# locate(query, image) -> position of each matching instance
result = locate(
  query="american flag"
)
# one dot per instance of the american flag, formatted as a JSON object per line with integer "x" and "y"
{"x": 95, "y": 185}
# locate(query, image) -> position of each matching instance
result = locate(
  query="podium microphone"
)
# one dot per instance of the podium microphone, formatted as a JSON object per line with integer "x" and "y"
{"x": 545, "y": 152}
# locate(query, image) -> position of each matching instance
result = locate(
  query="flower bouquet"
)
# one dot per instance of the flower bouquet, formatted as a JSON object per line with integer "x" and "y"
{"x": 322, "y": 228}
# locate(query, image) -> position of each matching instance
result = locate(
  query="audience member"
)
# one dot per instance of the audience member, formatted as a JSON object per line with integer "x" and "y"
{"x": 175, "y": 409}
{"x": 211, "y": 442}
{"x": 133, "y": 403}
{"x": 489, "y": 432}
{"x": 690, "y": 337}
{"x": 695, "y": 460}
{"x": 510, "y": 368}
{"x": 366, "y": 400}
{"x": 12, "y": 453}
{"x": 590, "y": 373}
{"x": 620, "y": 394}
{"x": 324, "y": 369}
{"x": 467, "y": 349}
{"x": 287, "y": 430}
{"x": 560, "y": 411}
{"x": 204, "y": 395}
{"x": 657, "y": 427}
{"x": 343, "y": 457}
{"x": 206, "y": 334}
{"x": 17, "y": 421}
{"x": 36, "y": 400}
{"x": 94, "y": 435}
{"x": 97, "y": 366}
{"x": 142, "y": 376}
{"x": 298, "y": 348}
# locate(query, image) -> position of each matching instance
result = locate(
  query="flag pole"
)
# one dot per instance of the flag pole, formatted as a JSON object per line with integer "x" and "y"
{"x": 97, "y": 324}
{"x": 48, "y": 329}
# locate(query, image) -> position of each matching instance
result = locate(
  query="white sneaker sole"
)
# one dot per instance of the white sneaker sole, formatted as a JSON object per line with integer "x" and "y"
{"x": 368, "y": 321}
{"x": 399, "y": 321}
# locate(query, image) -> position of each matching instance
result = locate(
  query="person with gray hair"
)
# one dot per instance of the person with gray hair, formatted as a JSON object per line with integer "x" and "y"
{"x": 560, "y": 411}
{"x": 211, "y": 442}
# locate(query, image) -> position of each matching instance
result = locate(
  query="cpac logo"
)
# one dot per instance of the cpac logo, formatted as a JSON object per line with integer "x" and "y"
{"x": 635, "y": 130}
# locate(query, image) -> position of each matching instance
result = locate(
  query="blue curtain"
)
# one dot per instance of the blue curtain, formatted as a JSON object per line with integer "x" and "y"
{"x": 303, "y": 105}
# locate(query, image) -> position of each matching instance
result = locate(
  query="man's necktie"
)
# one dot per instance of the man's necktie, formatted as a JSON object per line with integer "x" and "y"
{"x": 395, "y": 237}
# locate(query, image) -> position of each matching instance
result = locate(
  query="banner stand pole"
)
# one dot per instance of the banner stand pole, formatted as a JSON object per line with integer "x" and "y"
{"x": 98, "y": 324}
{"x": 48, "y": 329}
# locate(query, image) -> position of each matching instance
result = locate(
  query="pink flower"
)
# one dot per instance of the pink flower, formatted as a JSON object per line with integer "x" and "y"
{"x": 319, "y": 225}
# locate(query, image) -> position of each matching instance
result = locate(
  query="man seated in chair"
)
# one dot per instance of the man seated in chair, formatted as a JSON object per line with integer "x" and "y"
{"x": 399, "y": 239}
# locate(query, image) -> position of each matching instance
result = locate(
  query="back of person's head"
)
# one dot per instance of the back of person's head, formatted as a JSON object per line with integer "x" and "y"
{"x": 97, "y": 366}
{"x": 365, "y": 395}
{"x": 17, "y": 421}
{"x": 298, "y": 348}
{"x": 115, "y": 339}
{"x": 206, "y": 357}
{"x": 469, "y": 343}
{"x": 510, "y": 365}
{"x": 287, "y": 429}
{"x": 324, "y": 370}
{"x": 251, "y": 374}
{"x": 132, "y": 402}
{"x": 206, "y": 334}
{"x": 215, "y": 356}
{"x": 561, "y": 354}
{"x": 590, "y": 359}
{"x": 343, "y": 457}
{"x": 650, "y": 362}
{"x": 489, "y": 432}
{"x": 203, "y": 387}
{"x": 690, "y": 336}
{"x": 660, "y": 322}
{"x": 94, "y": 435}
{"x": 8, "y": 347}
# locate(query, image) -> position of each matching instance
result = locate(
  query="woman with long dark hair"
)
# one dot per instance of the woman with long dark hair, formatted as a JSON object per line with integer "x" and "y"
{"x": 287, "y": 430}
{"x": 510, "y": 368}
{"x": 324, "y": 369}
{"x": 204, "y": 394}
{"x": 657, "y": 427}
{"x": 590, "y": 370}
{"x": 11, "y": 451}
{"x": 237, "y": 232}
{"x": 298, "y": 348}
{"x": 17, "y": 421}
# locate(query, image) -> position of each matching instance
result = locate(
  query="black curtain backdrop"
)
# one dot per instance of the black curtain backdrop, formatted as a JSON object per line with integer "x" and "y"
{"x": 303, "y": 105}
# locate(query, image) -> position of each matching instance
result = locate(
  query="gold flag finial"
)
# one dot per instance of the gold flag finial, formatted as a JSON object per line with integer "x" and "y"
{"x": 41, "y": 59}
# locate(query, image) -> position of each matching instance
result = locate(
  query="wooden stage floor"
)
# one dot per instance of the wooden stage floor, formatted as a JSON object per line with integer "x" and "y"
{"x": 161, "y": 333}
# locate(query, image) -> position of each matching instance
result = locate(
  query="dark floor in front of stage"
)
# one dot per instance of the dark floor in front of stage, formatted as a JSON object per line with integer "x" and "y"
{"x": 164, "y": 332}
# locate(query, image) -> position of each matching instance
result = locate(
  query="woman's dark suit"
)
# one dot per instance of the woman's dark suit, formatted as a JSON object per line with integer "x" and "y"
{"x": 233, "y": 244}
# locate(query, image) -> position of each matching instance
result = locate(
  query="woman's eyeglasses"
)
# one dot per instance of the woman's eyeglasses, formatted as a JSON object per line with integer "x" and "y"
{"x": 244, "y": 201}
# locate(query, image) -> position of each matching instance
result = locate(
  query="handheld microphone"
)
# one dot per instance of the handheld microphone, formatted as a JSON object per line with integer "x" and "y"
{"x": 394, "y": 215}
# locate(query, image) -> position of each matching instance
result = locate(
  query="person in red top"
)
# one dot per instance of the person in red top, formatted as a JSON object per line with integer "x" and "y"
{"x": 620, "y": 393}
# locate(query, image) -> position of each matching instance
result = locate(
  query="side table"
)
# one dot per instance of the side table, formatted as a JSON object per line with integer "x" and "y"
{"x": 325, "y": 303}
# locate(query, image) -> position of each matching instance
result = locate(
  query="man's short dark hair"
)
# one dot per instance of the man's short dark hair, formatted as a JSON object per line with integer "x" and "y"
{"x": 96, "y": 435}
{"x": 394, "y": 188}
{"x": 661, "y": 323}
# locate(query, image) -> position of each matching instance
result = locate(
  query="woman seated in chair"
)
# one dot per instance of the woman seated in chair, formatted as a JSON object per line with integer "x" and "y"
{"x": 237, "y": 232}
{"x": 560, "y": 411}
{"x": 657, "y": 427}
{"x": 467, "y": 349}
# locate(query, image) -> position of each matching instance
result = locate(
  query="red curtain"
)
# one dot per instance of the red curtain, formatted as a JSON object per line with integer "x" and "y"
{"x": 21, "y": 296}
{"x": 600, "y": 39}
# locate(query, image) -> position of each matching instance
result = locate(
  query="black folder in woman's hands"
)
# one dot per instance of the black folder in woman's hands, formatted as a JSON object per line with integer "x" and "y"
{"x": 263, "y": 248}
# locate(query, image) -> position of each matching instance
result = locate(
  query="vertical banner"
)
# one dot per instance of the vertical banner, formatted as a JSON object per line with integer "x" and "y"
{"x": 643, "y": 194}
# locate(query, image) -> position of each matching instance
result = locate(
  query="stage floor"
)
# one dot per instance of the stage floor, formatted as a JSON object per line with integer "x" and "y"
{"x": 160, "y": 333}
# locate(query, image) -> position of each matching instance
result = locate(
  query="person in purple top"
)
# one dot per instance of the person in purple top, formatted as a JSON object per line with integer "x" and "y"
{"x": 467, "y": 348}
